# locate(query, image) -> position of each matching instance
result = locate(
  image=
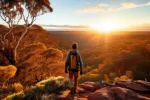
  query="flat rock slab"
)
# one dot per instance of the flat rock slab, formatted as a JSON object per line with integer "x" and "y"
{"x": 115, "y": 93}
{"x": 139, "y": 86}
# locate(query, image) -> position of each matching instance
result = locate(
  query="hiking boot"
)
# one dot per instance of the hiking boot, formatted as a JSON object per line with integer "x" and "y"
{"x": 75, "y": 90}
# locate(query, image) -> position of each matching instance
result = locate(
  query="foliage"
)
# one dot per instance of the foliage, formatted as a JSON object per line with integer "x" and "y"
{"x": 141, "y": 70}
{"x": 55, "y": 84}
{"x": 94, "y": 77}
{"x": 51, "y": 85}
{"x": 37, "y": 27}
{"x": 7, "y": 72}
{"x": 17, "y": 87}
{"x": 52, "y": 54}
{"x": 33, "y": 48}
{"x": 40, "y": 59}
{"x": 112, "y": 77}
{"x": 129, "y": 74}
{"x": 15, "y": 96}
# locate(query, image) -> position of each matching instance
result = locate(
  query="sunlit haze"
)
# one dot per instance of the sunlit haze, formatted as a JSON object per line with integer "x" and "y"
{"x": 108, "y": 26}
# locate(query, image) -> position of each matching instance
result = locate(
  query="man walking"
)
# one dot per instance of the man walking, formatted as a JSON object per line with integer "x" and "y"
{"x": 74, "y": 65}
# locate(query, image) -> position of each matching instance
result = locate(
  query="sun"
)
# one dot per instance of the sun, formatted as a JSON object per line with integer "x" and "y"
{"x": 108, "y": 26}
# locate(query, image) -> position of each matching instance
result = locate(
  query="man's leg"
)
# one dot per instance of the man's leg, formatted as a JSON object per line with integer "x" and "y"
{"x": 75, "y": 81}
{"x": 71, "y": 78}
{"x": 71, "y": 75}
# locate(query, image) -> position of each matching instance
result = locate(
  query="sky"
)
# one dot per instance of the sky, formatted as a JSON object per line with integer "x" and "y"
{"x": 125, "y": 13}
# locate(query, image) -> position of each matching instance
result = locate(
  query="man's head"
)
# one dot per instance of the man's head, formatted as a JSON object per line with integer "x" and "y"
{"x": 74, "y": 46}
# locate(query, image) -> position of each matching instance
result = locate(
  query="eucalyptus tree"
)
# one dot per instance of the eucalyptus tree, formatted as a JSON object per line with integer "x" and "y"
{"x": 13, "y": 11}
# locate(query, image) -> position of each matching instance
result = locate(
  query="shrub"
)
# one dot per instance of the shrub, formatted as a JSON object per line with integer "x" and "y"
{"x": 106, "y": 78}
{"x": 17, "y": 87}
{"x": 92, "y": 77}
{"x": 52, "y": 85}
{"x": 129, "y": 74}
{"x": 48, "y": 97}
{"x": 33, "y": 48}
{"x": 52, "y": 55}
{"x": 7, "y": 72}
{"x": 112, "y": 77}
{"x": 15, "y": 96}
{"x": 123, "y": 78}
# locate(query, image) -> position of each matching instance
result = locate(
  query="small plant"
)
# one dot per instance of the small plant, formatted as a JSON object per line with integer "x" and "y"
{"x": 7, "y": 72}
{"x": 129, "y": 74}
{"x": 91, "y": 77}
{"x": 15, "y": 96}
{"x": 17, "y": 87}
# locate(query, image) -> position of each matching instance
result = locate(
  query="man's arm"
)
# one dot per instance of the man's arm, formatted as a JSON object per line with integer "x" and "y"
{"x": 67, "y": 63}
{"x": 81, "y": 64}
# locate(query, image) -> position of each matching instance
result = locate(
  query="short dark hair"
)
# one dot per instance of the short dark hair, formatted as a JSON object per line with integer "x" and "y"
{"x": 74, "y": 46}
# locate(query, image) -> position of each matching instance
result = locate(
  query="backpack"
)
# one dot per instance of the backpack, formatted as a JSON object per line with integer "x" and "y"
{"x": 73, "y": 61}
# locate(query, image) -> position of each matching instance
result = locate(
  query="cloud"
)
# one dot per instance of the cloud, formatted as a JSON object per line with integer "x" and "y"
{"x": 98, "y": 8}
{"x": 129, "y": 5}
{"x": 65, "y": 27}
{"x": 106, "y": 7}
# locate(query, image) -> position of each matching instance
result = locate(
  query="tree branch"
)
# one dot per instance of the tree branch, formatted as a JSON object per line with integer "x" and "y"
{"x": 2, "y": 17}
{"x": 7, "y": 33}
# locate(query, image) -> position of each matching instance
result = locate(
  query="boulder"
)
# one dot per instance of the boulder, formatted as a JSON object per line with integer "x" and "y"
{"x": 144, "y": 83}
{"x": 138, "y": 86}
{"x": 115, "y": 93}
{"x": 90, "y": 86}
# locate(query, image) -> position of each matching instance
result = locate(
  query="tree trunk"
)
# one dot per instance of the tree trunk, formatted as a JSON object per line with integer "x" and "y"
{"x": 15, "y": 50}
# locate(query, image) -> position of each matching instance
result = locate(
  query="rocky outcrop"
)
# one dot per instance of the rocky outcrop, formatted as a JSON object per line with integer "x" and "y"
{"x": 98, "y": 91}
{"x": 115, "y": 93}
{"x": 138, "y": 86}
{"x": 58, "y": 88}
{"x": 90, "y": 86}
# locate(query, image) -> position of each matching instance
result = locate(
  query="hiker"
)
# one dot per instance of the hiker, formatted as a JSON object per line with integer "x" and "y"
{"x": 74, "y": 65}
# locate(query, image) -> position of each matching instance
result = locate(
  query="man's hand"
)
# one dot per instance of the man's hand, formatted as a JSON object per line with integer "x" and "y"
{"x": 81, "y": 73}
{"x": 66, "y": 71}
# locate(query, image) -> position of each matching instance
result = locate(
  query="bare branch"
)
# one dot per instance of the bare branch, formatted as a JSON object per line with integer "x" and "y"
{"x": 24, "y": 18}
{"x": 7, "y": 33}
{"x": 19, "y": 19}
{"x": 33, "y": 20}
{"x": 3, "y": 18}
